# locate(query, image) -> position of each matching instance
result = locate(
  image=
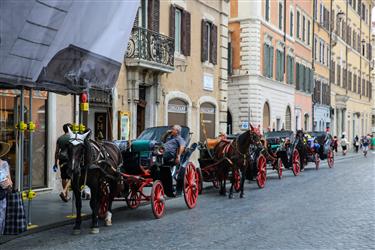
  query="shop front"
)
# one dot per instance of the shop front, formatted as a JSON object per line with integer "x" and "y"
{"x": 10, "y": 116}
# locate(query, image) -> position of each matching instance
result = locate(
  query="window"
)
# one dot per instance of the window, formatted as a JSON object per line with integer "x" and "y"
{"x": 280, "y": 16}
{"x": 298, "y": 24}
{"x": 268, "y": 60}
{"x": 279, "y": 65}
{"x": 315, "y": 10}
{"x": 290, "y": 69}
{"x": 338, "y": 78}
{"x": 177, "y": 31}
{"x": 303, "y": 28}
{"x": 320, "y": 52}
{"x": 291, "y": 24}
{"x": 315, "y": 49}
{"x": 308, "y": 32}
{"x": 323, "y": 58}
{"x": 209, "y": 42}
{"x": 321, "y": 14}
{"x": 267, "y": 10}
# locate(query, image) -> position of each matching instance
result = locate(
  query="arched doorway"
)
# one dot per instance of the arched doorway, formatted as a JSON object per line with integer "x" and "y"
{"x": 288, "y": 119}
{"x": 266, "y": 116}
{"x": 207, "y": 121}
{"x": 177, "y": 112}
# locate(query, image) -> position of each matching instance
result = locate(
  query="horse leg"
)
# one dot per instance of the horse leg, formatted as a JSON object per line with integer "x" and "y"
{"x": 112, "y": 194}
{"x": 242, "y": 183}
{"x": 77, "y": 195}
{"x": 94, "y": 204}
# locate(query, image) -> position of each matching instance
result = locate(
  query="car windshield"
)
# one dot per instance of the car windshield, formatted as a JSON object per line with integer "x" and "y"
{"x": 278, "y": 134}
{"x": 157, "y": 132}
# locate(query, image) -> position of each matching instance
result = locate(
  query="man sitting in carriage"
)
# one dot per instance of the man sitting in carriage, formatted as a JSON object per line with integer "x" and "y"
{"x": 174, "y": 145}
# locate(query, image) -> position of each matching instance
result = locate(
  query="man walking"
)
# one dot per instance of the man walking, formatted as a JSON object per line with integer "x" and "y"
{"x": 61, "y": 160}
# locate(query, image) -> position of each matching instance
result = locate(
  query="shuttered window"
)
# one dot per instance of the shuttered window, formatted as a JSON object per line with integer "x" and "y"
{"x": 268, "y": 60}
{"x": 298, "y": 24}
{"x": 180, "y": 29}
{"x": 291, "y": 22}
{"x": 354, "y": 83}
{"x": 267, "y": 10}
{"x": 279, "y": 65}
{"x": 290, "y": 69}
{"x": 208, "y": 42}
{"x": 281, "y": 13}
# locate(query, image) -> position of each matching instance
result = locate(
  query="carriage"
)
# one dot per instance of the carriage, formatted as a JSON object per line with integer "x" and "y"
{"x": 318, "y": 147}
{"x": 142, "y": 163}
{"x": 283, "y": 146}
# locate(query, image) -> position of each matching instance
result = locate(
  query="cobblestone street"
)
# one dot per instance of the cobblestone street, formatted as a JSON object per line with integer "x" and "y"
{"x": 325, "y": 209}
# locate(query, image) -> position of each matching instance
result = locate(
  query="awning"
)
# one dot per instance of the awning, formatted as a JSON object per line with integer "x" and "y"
{"x": 63, "y": 46}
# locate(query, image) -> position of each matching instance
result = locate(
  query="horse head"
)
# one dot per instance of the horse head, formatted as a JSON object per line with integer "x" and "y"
{"x": 77, "y": 149}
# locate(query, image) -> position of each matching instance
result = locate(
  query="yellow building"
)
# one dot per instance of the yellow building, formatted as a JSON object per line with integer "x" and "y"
{"x": 351, "y": 88}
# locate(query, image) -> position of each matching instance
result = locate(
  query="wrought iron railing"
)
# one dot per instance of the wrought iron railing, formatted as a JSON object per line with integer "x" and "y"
{"x": 151, "y": 46}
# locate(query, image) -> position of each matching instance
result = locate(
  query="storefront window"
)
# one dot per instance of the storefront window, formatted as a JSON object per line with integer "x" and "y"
{"x": 9, "y": 117}
{"x": 207, "y": 121}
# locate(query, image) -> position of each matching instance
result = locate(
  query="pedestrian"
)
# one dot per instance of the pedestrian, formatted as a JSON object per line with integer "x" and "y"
{"x": 365, "y": 142}
{"x": 61, "y": 160}
{"x": 5, "y": 184}
{"x": 335, "y": 143}
{"x": 356, "y": 143}
{"x": 344, "y": 144}
{"x": 372, "y": 142}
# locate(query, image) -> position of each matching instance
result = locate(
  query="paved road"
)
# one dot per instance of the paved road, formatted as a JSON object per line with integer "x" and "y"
{"x": 325, "y": 209}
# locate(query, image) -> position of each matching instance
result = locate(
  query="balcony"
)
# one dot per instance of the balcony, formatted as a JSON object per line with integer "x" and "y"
{"x": 150, "y": 50}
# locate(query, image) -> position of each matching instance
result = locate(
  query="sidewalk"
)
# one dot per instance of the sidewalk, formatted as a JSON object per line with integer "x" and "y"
{"x": 48, "y": 211}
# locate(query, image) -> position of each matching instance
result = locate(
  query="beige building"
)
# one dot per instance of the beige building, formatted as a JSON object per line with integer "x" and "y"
{"x": 351, "y": 88}
{"x": 373, "y": 77}
{"x": 175, "y": 71}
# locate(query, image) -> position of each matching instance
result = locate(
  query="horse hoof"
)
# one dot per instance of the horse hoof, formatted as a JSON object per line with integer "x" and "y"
{"x": 76, "y": 231}
{"x": 242, "y": 196}
{"x": 94, "y": 230}
{"x": 108, "y": 223}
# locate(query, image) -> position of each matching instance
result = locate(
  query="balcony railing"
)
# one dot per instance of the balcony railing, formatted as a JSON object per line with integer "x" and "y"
{"x": 150, "y": 49}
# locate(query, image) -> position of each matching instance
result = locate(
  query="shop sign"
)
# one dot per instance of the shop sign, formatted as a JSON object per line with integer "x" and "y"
{"x": 124, "y": 126}
{"x": 210, "y": 111}
{"x": 175, "y": 108}
{"x": 100, "y": 96}
{"x": 208, "y": 82}
{"x": 100, "y": 125}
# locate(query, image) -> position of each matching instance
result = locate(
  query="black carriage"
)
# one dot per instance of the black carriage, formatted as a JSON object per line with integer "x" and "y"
{"x": 283, "y": 145}
{"x": 143, "y": 162}
{"x": 318, "y": 147}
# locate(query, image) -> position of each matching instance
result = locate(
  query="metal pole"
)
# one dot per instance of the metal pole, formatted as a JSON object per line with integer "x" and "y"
{"x": 30, "y": 154}
{"x": 22, "y": 140}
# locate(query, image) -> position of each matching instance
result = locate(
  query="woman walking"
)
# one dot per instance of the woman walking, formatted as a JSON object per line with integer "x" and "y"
{"x": 5, "y": 183}
{"x": 344, "y": 144}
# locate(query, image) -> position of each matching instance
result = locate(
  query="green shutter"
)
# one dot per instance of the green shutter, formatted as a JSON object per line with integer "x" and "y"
{"x": 292, "y": 70}
{"x": 271, "y": 62}
{"x": 282, "y": 66}
{"x": 297, "y": 75}
{"x": 287, "y": 69}
{"x": 277, "y": 65}
{"x": 265, "y": 60}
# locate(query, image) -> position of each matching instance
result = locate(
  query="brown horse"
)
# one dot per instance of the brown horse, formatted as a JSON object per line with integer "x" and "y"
{"x": 237, "y": 151}
{"x": 92, "y": 164}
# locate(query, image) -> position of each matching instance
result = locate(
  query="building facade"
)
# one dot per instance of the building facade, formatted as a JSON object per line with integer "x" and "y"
{"x": 321, "y": 58}
{"x": 262, "y": 87}
{"x": 373, "y": 78}
{"x": 351, "y": 88}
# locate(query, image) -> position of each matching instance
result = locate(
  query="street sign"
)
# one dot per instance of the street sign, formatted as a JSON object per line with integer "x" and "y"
{"x": 245, "y": 125}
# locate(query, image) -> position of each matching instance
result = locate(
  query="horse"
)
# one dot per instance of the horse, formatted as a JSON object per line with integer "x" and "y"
{"x": 92, "y": 164}
{"x": 237, "y": 151}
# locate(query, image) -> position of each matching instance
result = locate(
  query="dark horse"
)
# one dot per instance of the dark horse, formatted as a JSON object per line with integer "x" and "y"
{"x": 237, "y": 151}
{"x": 92, "y": 164}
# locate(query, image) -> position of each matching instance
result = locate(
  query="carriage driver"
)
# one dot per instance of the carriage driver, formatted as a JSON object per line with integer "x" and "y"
{"x": 174, "y": 146}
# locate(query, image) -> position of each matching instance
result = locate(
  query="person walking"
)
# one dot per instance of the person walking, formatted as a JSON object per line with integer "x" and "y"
{"x": 335, "y": 143}
{"x": 344, "y": 144}
{"x": 61, "y": 160}
{"x": 365, "y": 143}
{"x": 356, "y": 143}
{"x": 5, "y": 184}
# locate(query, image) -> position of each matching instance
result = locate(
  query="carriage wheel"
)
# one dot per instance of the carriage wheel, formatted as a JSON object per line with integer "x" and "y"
{"x": 157, "y": 199}
{"x": 279, "y": 168}
{"x": 191, "y": 188}
{"x": 199, "y": 179}
{"x": 296, "y": 168}
{"x": 133, "y": 199}
{"x": 317, "y": 161}
{"x": 330, "y": 158}
{"x": 104, "y": 200}
{"x": 262, "y": 171}
{"x": 237, "y": 180}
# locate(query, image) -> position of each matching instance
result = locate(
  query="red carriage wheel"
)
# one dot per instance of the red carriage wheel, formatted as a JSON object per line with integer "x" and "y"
{"x": 104, "y": 200}
{"x": 317, "y": 161}
{"x": 199, "y": 180}
{"x": 296, "y": 163}
{"x": 330, "y": 158}
{"x": 237, "y": 180}
{"x": 133, "y": 199}
{"x": 279, "y": 168}
{"x": 190, "y": 186}
{"x": 262, "y": 171}
{"x": 157, "y": 199}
